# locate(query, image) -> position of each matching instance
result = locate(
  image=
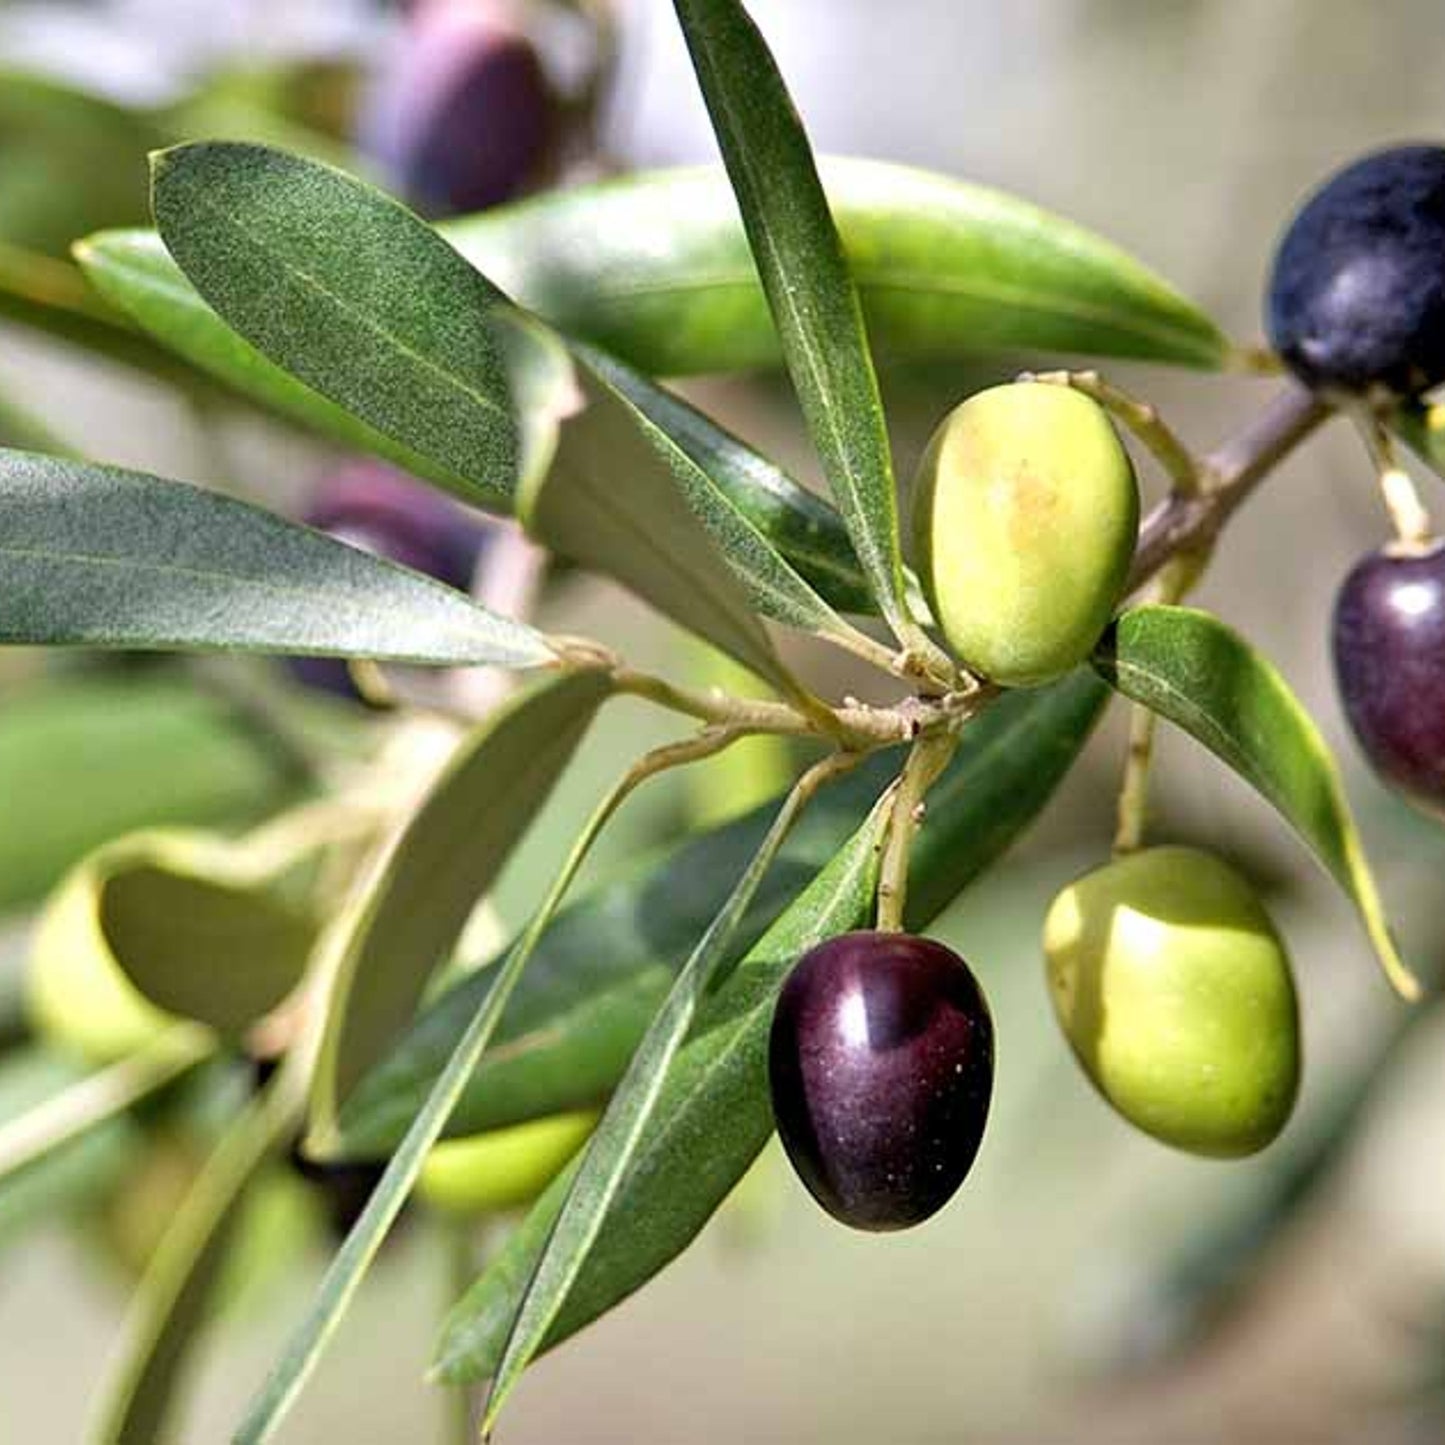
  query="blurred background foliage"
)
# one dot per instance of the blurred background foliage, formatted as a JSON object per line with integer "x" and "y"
{"x": 1088, "y": 1285}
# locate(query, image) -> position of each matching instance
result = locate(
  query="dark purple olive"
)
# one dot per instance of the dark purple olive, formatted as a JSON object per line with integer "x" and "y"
{"x": 1356, "y": 300}
{"x": 379, "y": 509}
{"x": 461, "y": 115}
{"x": 881, "y": 1065}
{"x": 1389, "y": 645}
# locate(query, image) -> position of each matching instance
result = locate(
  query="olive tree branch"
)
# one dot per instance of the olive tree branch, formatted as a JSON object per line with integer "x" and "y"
{"x": 1229, "y": 474}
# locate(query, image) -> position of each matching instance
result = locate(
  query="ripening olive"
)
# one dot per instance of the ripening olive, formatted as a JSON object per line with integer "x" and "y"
{"x": 461, "y": 114}
{"x": 1025, "y": 513}
{"x": 1175, "y": 992}
{"x": 1356, "y": 300}
{"x": 880, "y": 1062}
{"x": 1389, "y": 646}
{"x": 503, "y": 1168}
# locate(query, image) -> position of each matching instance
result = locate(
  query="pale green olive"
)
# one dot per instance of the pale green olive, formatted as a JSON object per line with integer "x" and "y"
{"x": 503, "y": 1168}
{"x": 1175, "y": 992}
{"x": 1025, "y": 515}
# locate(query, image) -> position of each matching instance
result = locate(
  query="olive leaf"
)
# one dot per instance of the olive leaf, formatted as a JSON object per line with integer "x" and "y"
{"x": 102, "y": 557}
{"x": 46, "y": 1127}
{"x": 619, "y": 499}
{"x": 196, "y": 929}
{"x": 945, "y": 268}
{"x": 796, "y": 523}
{"x": 52, "y": 133}
{"x": 614, "y": 1142}
{"x": 1008, "y": 765}
{"x": 45, "y": 1176}
{"x": 348, "y": 1268}
{"x": 804, "y": 273}
{"x": 409, "y": 909}
{"x": 169, "y": 1309}
{"x": 598, "y": 976}
{"x": 352, "y": 294}
{"x": 135, "y": 753}
{"x": 1187, "y": 666}
{"x": 134, "y": 272}
{"x": 787, "y": 546}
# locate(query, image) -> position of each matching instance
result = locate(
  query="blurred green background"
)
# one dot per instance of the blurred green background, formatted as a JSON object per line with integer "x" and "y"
{"x": 1073, "y": 1290}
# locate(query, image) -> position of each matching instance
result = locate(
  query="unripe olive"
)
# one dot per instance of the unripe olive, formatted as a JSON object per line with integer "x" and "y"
{"x": 76, "y": 993}
{"x": 1175, "y": 992}
{"x": 503, "y": 1168}
{"x": 1025, "y": 514}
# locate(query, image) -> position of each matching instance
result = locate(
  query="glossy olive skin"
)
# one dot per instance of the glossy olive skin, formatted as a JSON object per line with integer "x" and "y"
{"x": 461, "y": 115}
{"x": 881, "y": 1066}
{"x": 1389, "y": 650}
{"x": 1356, "y": 299}
{"x": 1025, "y": 515}
{"x": 382, "y": 510}
{"x": 1176, "y": 995}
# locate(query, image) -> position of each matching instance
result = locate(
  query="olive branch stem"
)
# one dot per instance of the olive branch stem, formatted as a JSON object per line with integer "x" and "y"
{"x": 929, "y": 756}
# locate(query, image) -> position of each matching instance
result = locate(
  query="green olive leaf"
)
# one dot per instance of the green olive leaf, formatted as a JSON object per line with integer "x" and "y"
{"x": 49, "y": 1169}
{"x": 101, "y": 557}
{"x": 597, "y": 978}
{"x": 614, "y": 1143}
{"x": 617, "y": 499}
{"x": 796, "y": 523}
{"x": 1187, "y": 666}
{"x": 169, "y": 1310}
{"x": 1011, "y": 759}
{"x": 804, "y": 272}
{"x": 133, "y": 753}
{"x": 59, "y": 1121}
{"x": 343, "y": 1278}
{"x": 196, "y": 929}
{"x": 788, "y": 548}
{"x": 133, "y": 270}
{"x": 409, "y": 910}
{"x": 51, "y": 135}
{"x": 779, "y": 518}
{"x": 945, "y": 268}
{"x": 352, "y": 294}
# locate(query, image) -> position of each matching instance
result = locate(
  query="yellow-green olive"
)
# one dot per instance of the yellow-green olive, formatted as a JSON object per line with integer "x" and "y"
{"x": 503, "y": 1168}
{"x": 1025, "y": 515}
{"x": 1175, "y": 992}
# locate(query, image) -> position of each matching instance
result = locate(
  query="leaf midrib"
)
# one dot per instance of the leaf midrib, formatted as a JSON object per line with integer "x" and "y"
{"x": 359, "y": 317}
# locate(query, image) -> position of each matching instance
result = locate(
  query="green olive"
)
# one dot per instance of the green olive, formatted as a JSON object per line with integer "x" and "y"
{"x": 1175, "y": 992}
{"x": 1025, "y": 515}
{"x": 503, "y": 1168}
